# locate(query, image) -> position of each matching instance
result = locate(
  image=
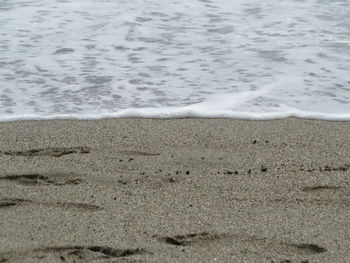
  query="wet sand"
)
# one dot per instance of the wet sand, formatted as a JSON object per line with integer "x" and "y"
{"x": 185, "y": 190}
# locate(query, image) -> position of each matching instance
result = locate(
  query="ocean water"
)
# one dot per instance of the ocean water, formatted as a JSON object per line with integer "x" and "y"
{"x": 248, "y": 59}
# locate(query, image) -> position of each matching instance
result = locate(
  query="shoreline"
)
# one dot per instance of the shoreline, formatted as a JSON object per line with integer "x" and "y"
{"x": 175, "y": 190}
{"x": 189, "y": 114}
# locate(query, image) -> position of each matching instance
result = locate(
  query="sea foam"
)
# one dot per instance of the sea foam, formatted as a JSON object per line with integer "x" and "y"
{"x": 246, "y": 59}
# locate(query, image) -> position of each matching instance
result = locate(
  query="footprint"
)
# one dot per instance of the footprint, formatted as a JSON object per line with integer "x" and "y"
{"x": 113, "y": 253}
{"x": 7, "y": 204}
{"x": 319, "y": 188}
{"x": 311, "y": 248}
{"x": 72, "y": 253}
{"x": 13, "y": 202}
{"x": 246, "y": 241}
{"x": 75, "y": 206}
{"x": 138, "y": 153}
{"x": 315, "y": 201}
{"x": 189, "y": 239}
{"x": 53, "y": 152}
{"x": 43, "y": 179}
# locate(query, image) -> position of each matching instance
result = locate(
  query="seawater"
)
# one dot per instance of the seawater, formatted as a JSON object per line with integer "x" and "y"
{"x": 247, "y": 59}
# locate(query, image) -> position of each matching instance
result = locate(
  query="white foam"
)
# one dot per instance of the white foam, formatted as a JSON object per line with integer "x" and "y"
{"x": 246, "y": 59}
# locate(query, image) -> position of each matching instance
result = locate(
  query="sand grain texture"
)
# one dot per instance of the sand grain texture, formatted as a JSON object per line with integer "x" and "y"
{"x": 185, "y": 190}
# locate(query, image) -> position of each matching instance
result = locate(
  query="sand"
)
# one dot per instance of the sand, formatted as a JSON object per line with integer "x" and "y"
{"x": 184, "y": 190}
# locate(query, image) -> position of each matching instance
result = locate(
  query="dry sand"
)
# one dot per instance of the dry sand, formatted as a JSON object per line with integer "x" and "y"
{"x": 185, "y": 190}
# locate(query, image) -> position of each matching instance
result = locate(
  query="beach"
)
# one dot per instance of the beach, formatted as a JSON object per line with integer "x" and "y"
{"x": 175, "y": 190}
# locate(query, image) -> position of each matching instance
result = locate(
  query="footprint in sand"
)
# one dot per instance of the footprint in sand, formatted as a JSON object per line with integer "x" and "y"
{"x": 241, "y": 240}
{"x": 320, "y": 188}
{"x": 13, "y": 202}
{"x": 37, "y": 179}
{"x": 53, "y": 152}
{"x": 72, "y": 253}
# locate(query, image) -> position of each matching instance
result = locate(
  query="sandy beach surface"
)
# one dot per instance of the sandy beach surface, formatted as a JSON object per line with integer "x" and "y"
{"x": 180, "y": 190}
